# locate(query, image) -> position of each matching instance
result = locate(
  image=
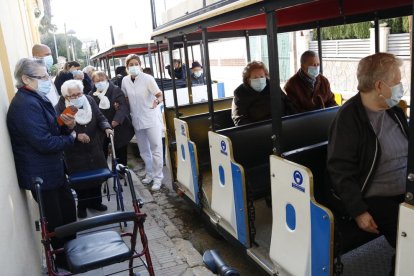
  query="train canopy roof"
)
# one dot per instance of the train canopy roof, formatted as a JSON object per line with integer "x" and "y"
{"x": 291, "y": 15}
{"x": 126, "y": 49}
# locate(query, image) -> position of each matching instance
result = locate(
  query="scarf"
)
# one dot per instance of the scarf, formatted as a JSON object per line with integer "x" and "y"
{"x": 310, "y": 82}
{"x": 104, "y": 102}
{"x": 84, "y": 114}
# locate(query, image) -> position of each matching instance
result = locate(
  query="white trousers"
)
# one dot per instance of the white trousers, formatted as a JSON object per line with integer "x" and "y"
{"x": 149, "y": 142}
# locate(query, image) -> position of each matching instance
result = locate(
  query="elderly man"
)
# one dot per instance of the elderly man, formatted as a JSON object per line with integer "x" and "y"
{"x": 180, "y": 70}
{"x": 368, "y": 148}
{"x": 308, "y": 89}
{"x": 43, "y": 52}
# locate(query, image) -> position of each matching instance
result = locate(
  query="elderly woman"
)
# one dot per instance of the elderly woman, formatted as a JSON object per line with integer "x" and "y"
{"x": 251, "y": 102}
{"x": 368, "y": 148}
{"x": 112, "y": 103}
{"x": 144, "y": 96}
{"x": 38, "y": 143}
{"x": 72, "y": 71}
{"x": 86, "y": 153}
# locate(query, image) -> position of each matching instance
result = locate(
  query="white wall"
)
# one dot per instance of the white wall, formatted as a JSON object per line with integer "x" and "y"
{"x": 20, "y": 251}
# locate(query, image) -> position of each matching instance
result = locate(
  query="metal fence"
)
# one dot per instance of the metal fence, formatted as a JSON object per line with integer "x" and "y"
{"x": 398, "y": 44}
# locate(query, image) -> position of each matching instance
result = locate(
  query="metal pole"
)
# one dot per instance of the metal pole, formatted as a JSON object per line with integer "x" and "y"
{"x": 409, "y": 198}
{"x": 67, "y": 44}
{"x": 160, "y": 71}
{"x": 275, "y": 91}
{"x": 189, "y": 84}
{"x": 113, "y": 64}
{"x": 377, "y": 46}
{"x": 318, "y": 33}
{"x": 56, "y": 50}
{"x": 181, "y": 56}
{"x": 246, "y": 35}
{"x": 170, "y": 48}
{"x": 108, "y": 68}
{"x": 145, "y": 63}
{"x": 153, "y": 15}
{"x": 203, "y": 60}
{"x": 112, "y": 35}
{"x": 150, "y": 58}
{"x": 208, "y": 78}
{"x": 192, "y": 53}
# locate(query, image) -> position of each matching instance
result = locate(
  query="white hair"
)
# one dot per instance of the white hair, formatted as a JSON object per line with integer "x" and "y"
{"x": 71, "y": 84}
{"x": 89, "y": 69}
{"x": 26, "y": 66}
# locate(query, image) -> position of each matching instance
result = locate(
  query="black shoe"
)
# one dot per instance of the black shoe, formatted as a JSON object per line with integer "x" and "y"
{"x": 82, "y": 213}
{"x": 101, "y": 207}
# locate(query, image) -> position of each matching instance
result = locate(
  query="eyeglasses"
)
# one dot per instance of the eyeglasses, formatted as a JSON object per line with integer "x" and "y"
{"x": 76, "y": 96}
{"x": 45, "y": 77}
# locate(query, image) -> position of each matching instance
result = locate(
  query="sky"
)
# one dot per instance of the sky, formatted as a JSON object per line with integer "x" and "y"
{"x": 91, "y": 20}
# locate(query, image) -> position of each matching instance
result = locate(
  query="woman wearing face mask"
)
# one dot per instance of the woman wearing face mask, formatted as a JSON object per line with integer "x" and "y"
{"x": 38, "y": 143}
{"x": 86, "y": 154}
{"x": 71, "y": 71}
{"x": 251, "y": 101}
{"x": 368, "y": 148}
{"x": 112, "y": 103}
{"x": 144, "y": 96}
{"x": 197, "y": 76}
{"x": 308, "y": 89}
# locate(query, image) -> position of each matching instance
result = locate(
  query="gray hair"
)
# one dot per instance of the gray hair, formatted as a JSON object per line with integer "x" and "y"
{"x": 88, "y": 69}
{"x": 26, "y": 66}
{"x": 71, "y": 84}
{"x": 379, "y": 66}
{"x": 307, "y": 54}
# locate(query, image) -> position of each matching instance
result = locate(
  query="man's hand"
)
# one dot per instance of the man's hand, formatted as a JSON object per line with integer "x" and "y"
{"x": 83, "y": 138}
{"x": 68, "y": 120}
{"x": 367, "y": 223}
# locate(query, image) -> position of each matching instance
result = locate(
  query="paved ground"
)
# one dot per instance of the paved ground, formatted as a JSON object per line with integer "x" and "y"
{"x": 170, "y": 253}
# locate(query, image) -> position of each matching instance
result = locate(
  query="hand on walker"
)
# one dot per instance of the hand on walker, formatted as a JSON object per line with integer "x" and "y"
{"x": 366, "y": 222}
{"x": 108, "y": 132}
{"x": 68, "y": 120}
{"x": 83, "y": 138}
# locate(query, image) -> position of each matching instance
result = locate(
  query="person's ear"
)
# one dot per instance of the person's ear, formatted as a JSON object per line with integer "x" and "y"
{"x": 26, "y": 80}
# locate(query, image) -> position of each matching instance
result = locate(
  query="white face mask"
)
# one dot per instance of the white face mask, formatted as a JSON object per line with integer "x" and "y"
{"x": 134, "y": 70}
{"x": 313, "y": 71}
{"x": 258, "y": 84}
{"x": 397, "y": 92}
{"x": 78, "y": 102}
{"x": 197, "y": 74}
{"x": 102, "y": 85}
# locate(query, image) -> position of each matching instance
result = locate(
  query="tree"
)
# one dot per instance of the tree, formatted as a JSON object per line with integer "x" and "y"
{"x": 47, "y": 39}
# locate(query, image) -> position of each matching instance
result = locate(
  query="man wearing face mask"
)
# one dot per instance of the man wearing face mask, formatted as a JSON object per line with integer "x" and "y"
{"x": 308, "y": 89}
{"x": 44, "y": 53}
{"x": 197, "y": 76}
{"x": 251, "y": 102}
{"x": 368, "y": 149}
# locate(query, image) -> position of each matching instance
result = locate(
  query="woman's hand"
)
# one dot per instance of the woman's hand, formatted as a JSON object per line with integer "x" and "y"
{"x": 366, "y": 222}
{"x": 155, "y": 103}
{"x": 108, "y": 132}
{"x": 68, "y": 120}
{"x": 114, "y": 124}
{"x": 83, "y": 138}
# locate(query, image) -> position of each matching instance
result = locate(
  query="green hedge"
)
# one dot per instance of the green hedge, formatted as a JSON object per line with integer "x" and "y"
{"x": 361, "y": 30}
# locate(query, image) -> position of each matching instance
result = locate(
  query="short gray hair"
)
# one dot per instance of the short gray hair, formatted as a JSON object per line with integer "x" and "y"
{"x": 26, "y": 66}
{"x": 71, "y": 84}
{"x": 379, "y": 66}
{"x": 88, "y": 69}
{"x": 307, "y": 54}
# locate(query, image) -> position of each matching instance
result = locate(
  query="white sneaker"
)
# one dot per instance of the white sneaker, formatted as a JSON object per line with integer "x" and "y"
{"x": 146, "y": 180}
{"x": 156, "y": 186}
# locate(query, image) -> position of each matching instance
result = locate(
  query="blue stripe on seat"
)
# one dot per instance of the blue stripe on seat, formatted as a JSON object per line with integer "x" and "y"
{"x": 239, "y": 205}
{"x": 194, "y": 171}
{"x": 320, "y": 240}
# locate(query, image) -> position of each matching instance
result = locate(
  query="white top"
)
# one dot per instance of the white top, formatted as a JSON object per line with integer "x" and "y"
{"x": 53, "y": 95}
{"x": 141, "y": 95}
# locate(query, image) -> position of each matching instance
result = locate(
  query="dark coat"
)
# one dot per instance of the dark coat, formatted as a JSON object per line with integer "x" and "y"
{"x": 251, "y": 106}
{"x": 304, "y": 98}
{"x": 197, "y": 81}
{"x": 65, "y": 76}
{"x": 37, "y": 140}
{"x": 353, "y": 153}
{"x": 85, "y": 157}
{"x": 124, "y": 132}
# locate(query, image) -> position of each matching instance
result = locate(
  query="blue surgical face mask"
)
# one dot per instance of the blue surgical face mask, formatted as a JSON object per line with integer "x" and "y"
{"x": 48, "y": 60}
{"x": 397, "y": 92}
{"x": 77, "y": 72}
{"x": 134, "y": 70}
{"x": 78, "y": 102}
{"x": 313, "y": 71}
{"x": 258, "y": 84}
{"x": 102, "y": 85}
{"x": 43, "y": 87}
{"x": 197, "y": 74}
